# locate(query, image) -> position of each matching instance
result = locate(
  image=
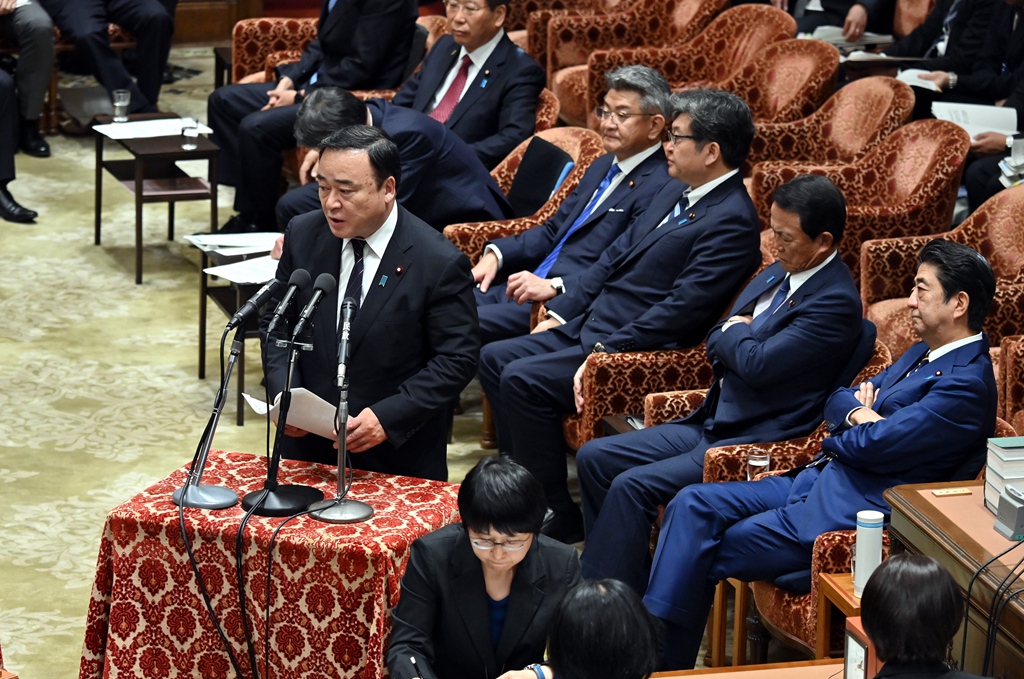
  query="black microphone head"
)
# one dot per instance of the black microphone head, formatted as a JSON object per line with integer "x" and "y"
{"x": 300, "y": 278}
{"x": 348, "y": 303}
{"x": 325, "y": 282}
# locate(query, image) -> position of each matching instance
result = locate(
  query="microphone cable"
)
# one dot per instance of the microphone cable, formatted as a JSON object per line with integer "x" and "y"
{"x": 270, "y": 575}
{"x": 991, "y": 648}
{"x": 240, "y": 574}
{"x": 997, "y": 596}
{"x": 970, "y": 587}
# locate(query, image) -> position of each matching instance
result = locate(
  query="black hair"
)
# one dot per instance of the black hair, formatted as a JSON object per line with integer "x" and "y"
{"x": 962, "y": 269}
{"x": 382, "y": 152}
{"x": 326, "y": 110}
{"x": 601, "y": 630}
{"x": 716, "y": 116}
{"x": 502, "y": 495}
{"x": 651, "y": 85}
{"x": 911, "y": 609}
{"x": 818, "y": 202}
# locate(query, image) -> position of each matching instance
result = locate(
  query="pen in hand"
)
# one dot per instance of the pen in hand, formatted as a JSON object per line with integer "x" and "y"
{"x": 416, "y": 667}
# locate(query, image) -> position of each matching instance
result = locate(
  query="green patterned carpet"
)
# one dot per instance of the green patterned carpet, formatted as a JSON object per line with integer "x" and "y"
{"x": 101, "y": 395}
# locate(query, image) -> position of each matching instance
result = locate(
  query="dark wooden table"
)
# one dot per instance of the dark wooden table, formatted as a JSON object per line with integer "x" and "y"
{"x": 151, "y": 174}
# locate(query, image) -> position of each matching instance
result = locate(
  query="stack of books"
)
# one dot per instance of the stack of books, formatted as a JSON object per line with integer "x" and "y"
{"x": 1012, "y": 167}
{"x": 1005, "y": 466}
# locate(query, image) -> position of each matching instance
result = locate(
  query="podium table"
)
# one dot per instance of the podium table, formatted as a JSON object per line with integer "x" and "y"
{"x": 330, "y": 593}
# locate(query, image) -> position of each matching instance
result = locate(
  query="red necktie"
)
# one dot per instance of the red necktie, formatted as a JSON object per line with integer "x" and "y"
{"x": 451, "y": 97}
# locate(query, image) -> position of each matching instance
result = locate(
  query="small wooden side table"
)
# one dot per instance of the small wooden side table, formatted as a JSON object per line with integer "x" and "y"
{"x": 153, "y": 177}
{"x": 834, "y": 589}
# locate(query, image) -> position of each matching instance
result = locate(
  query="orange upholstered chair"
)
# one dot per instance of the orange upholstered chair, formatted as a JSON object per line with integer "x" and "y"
{"x": 572, "y": 38}
{"x": 732, "y": 40}
{"x": 1011, "y": 381}
{"x": 909, "y": 14}
{"x": 583, "y": 145}
{"x": 905, "y": 186}
{"x": 527, "y": 22}
{"x": 853, "y": 121}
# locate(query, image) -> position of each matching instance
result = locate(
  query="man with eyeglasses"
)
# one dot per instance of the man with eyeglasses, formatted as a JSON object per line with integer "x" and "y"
{"x": 547, "y": 260}
{"x": 359, "y": 46}
{"x": 662, "y": 284}
{"x": 477, "y": 82}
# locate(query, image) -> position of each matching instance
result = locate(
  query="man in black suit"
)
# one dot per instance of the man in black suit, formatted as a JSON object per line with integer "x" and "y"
{"x": 545, "y": 261}
{"x": 854, "y": 16}
{"x": 443, "y": 182}
{"x": 84, "y": 22}
{"x": 414, "y": 342}
{"x": 662, "y": 284}
{"x": 10, "y": 210}
{"x": 30, "y": 27}
{"x": 360, "y": 44}
{"x": 477, "y": 82}
{"x": 776, "y": 359}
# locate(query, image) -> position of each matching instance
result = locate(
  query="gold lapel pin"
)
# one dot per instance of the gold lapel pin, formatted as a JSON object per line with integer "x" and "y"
{"x": 691, "y": 216}
{"x": 398, "y": 270}
{"x": 632, "y": 183}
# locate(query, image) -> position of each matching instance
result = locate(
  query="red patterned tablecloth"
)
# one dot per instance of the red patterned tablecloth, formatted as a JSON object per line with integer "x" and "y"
{"x": 331, "y": 590}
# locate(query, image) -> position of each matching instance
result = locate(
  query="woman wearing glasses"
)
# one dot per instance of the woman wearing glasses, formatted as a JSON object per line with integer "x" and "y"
{"x": 478, "y": 597}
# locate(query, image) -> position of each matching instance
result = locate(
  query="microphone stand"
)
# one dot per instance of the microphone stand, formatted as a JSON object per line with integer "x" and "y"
{"x": 275, "y": 499}
{"x": 338, "y": 509}
{"x": 194, "y": 493}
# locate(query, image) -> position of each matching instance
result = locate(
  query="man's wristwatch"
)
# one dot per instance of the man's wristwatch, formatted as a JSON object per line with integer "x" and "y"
{"x": 1009, "y": 142}
{"x": 536, "y": 667}
{"x": 598, "y": 349}
{"x": 952, "y": 81}
{"x": 558, "y": 285}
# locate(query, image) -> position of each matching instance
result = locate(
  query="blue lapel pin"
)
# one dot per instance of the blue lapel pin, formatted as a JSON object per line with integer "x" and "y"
{"x": 770, "y": 279}
{"x": 383, "y": 280}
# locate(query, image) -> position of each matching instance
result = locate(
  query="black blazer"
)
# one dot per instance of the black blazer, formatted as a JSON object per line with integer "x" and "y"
{"x": 442, "y": 617}
{"x": 498, "y": 111}
{"x": 414, "y": 343}
{"x": 360, "y": 44}
{"x": 966, "y": 36}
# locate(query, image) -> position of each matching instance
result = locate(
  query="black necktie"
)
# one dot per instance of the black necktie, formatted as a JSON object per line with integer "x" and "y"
{"x": 354, "y": 289}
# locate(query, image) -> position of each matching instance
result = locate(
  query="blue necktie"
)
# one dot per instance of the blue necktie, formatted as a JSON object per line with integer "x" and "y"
{"x": 947, "y": 25}
{"x": 549, "y": 261}
{"x": 777, "y": 301}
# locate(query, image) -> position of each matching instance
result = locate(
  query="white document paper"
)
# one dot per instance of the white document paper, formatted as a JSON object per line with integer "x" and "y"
{"x": 977, "y": 118}
{"x": 308, "y": 411}
{"x": 910, "y": 77}
{"x": 254, "y": 271}
{"x": 141, "y": 129}
{"x": 222, "y": 242}
{"x": 834, "y": 35}
{"x": 860, "y": 56}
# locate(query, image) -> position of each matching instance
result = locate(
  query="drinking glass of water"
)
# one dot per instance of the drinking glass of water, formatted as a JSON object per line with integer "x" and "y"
{"x": 121, "y": 99}
{"x": 189, "y": 132}
{"x": 757, "y": 462}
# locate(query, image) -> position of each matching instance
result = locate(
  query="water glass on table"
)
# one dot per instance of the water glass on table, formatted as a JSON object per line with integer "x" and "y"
{"x": 189, "y": 132}
{"x": 757, "y": 462}
{"x": 121, "y": 100}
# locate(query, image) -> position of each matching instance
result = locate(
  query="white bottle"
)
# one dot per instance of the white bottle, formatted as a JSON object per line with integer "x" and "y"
{"x": 869, "y": 547}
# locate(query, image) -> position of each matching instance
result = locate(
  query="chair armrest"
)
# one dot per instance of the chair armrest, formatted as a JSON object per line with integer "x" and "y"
{"x": 275, "y": 59}
{"x": 386, "y": 95}
{"x": 252, "y": 40}
{"x": 471, "y": 237}
{"x": 666, "y": 406}
{"x": 537, "y": 32}
{"x": 774, "y": 141}
{"x": 888, "y": 267}
{"x": 831, "y": 554}
{"x": 729, "y": 463}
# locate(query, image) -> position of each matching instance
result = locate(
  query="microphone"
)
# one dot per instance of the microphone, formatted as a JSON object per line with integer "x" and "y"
{"x": 348, "y": 314}
{"x": 325, "y": 285}
{"x": 299, "y": 280}
{"x": 248, "y": 309}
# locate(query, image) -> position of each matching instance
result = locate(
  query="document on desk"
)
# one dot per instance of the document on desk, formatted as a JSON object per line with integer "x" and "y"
{"x": 141, "y": 129}
{"x": 977, "y": 118}
{"x": 254, "y": 271}
{"x": 308, "y": 411}
{"x": 862, "y": 57}
{"x": 233, "y": 243}
{"x": 910, "y": 77}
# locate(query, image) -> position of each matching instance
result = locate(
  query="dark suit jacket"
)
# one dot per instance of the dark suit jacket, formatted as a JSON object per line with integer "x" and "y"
{"x": 966, "y": 36}
{"x": 921, "y": 671}
{"x": 525, "y": 251}
{"x": 938, "y": 420}
{"x": 989, "y": 81}
{"x": 771, "y": 385}
{"x": 498, "y": 111}
{"x": 414, "y": 343}
{"x": 360, "y": 44}
{"x": 443, "y": 182}
{"x": 657, "y": 288}
{"x": 442, "y": 617}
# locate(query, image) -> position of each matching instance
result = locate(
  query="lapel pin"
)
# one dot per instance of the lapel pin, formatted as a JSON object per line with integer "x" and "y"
{"x": 398, "y": 270}
{"x": 691, "y": 216}
{"x": 632, "y": 183}
{"x": 383, "y": 280}
{"x": 938, "y": 373}
{"x": 770, "y": 279}
{"x": 792, "y": 302}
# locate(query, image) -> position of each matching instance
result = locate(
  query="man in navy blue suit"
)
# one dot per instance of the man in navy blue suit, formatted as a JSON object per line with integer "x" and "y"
{"x": 546, "y": 260}
{"x": 477, "y": 82}
{"x": 925, "y": 419}
{"x": 443, "y": 182}
{"x": 662, "y": 284}
{"x": 360, "y": 44}
{"x": 776, "y": 359}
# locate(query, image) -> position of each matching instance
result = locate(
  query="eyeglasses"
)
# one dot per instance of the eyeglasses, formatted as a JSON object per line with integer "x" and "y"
{"x": 508, "y": 546}
{"x": 617, "y": 117}
{"x": 674, "y": 138}
{"x": 468, "y": 10}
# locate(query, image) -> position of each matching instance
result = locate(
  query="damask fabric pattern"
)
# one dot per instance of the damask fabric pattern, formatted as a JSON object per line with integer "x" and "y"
{"x": 1011, "y": 382}
{"x": 253, "y": 40}
{"x": 331, "y": 593}
{"x": 731, "y": 41}
{"x": 582, "y": 145}
{"x": 904, "y": 187}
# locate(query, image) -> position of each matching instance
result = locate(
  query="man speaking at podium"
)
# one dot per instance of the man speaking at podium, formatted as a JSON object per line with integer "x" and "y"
{"x": 414, "y": 343}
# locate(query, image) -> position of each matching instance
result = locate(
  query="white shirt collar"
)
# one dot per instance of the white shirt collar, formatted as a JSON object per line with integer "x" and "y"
{"x": 704, "y": 189}
{"x": 631, "y": 163}
{"x": 482, "y": 53}
{"x": 801, "y": 277}
{"x": 379, "y": 239}
{"x": 935, "y": 354}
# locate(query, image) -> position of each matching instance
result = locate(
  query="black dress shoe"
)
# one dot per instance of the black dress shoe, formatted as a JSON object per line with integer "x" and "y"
{"x": 237, "y": 225}
{"x": 11, "y": 211}
{"x": 566, "y": 526}
{"x": 31, "y": 142}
